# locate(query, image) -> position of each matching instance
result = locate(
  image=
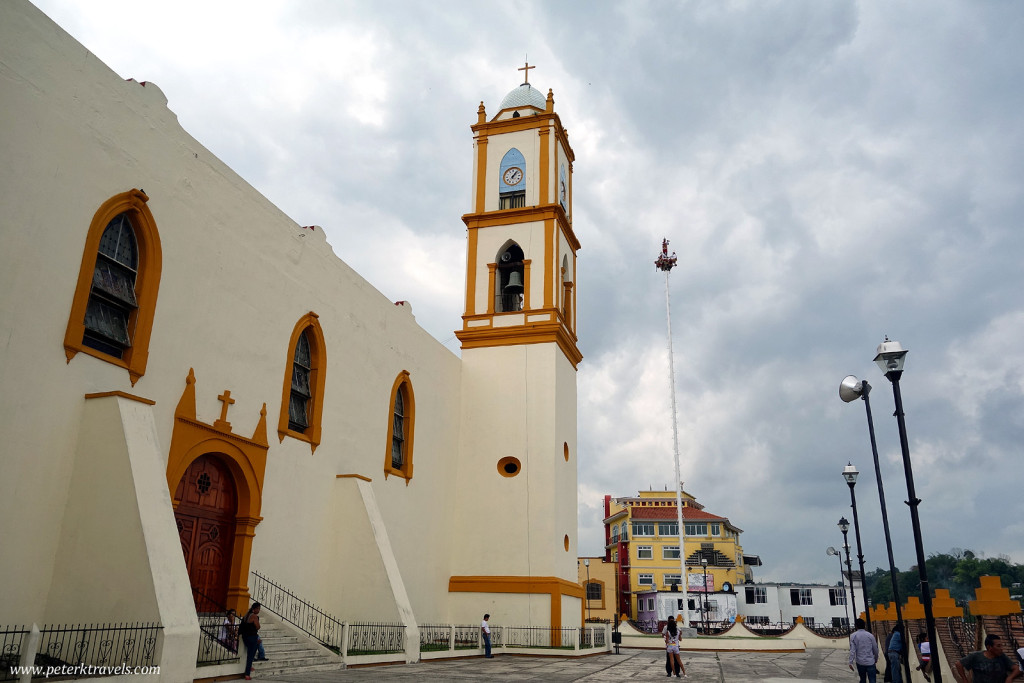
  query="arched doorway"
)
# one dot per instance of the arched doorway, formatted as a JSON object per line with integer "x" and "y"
{"x": 206, "y": 527}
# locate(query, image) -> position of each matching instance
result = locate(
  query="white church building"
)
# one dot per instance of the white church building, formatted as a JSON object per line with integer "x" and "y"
{"x": 197, "y": 388}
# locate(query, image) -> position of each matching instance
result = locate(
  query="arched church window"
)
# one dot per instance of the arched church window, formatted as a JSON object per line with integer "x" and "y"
{"x": 112, "y": 299}
{"x": 401, "y": 428}
{"x": 298, "y": 406}
{"x": 510, "y": 285}
{"x": 512, "y": 180}
{"x": 398, "y": 432}
{"x": 302, "y": 399}
{"x": 115, "y": 299}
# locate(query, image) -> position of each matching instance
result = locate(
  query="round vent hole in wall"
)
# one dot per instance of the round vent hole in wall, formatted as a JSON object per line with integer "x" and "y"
{"x": 509, "y": 467}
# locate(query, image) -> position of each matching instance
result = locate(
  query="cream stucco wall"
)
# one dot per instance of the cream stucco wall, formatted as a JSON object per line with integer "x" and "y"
{"x": 237, "y": 275}
{"x": 85, "y": 509}
{"x": 514, "y": 395}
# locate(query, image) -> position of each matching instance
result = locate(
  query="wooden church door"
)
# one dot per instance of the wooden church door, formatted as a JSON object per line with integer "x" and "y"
{"x": 206, "y": 526}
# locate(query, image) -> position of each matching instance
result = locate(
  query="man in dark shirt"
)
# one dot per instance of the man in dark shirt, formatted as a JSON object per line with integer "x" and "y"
{"x": 989, "y": 665}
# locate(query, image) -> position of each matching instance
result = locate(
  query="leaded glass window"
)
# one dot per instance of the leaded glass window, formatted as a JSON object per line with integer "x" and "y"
{"x": 298, "y": 405}
{"x": 398, "y": 432}
{"x": 112, "y": 295}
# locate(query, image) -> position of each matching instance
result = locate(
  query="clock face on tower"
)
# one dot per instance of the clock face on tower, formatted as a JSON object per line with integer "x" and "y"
{"x": 513, "y": 176}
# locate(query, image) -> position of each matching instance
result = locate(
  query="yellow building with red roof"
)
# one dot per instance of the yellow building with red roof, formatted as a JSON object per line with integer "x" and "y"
{"x": 642, "y": 538}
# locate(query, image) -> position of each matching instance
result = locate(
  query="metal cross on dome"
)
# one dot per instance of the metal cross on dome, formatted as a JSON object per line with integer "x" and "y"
{"x": 526, "y": 71}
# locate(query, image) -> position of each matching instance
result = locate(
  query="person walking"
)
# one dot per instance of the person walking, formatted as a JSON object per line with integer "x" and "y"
{"x": 989, "y": 665}
{"x": 893, "y": 652}
{"x": 672, "y": 659}
{"x": 249, "y": 630}
{"x": 485, "y": 630}
{"x": 863, "y": 653}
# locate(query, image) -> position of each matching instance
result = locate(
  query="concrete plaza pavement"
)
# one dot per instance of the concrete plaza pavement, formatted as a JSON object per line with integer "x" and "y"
{"x": 811, "y": 666}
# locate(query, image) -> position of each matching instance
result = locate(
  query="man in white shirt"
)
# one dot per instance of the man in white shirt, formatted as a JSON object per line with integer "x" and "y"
{"x": 863, "y": 653}
{"x": 485, "y": 630}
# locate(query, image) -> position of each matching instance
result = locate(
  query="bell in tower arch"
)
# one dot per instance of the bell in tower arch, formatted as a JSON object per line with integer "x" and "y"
{"x": 510, "y": 289}
{"x": 515, "y": 282}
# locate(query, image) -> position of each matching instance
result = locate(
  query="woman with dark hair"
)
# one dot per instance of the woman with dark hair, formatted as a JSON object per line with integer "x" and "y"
{"x": 249, "y": 630}
{"x": 672, "y": 658}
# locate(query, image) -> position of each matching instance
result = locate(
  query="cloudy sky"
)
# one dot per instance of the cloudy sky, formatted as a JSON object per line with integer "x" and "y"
{"x": 827, "y": 172}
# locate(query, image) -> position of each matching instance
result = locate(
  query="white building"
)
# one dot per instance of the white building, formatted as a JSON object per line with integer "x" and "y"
{"x": 197, "y": 387}
{"x": 818, "y": 604}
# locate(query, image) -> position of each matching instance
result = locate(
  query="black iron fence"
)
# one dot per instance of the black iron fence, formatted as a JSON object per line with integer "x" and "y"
{"x": 302, "y": 614}
{"x": 435, "y": 637}
{"x": 468, "y": 637}
{"x": 538, "y": 636}
{"x": 375, "y": 638}
{"x": 82, "y": 651}
{"x": 11, "y": 639}
{"x": 218, "y": 637}
{"x": 217, "y": 645}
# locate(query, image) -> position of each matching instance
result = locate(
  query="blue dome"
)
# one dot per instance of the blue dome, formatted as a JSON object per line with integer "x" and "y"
{"x": 524, "y": 95}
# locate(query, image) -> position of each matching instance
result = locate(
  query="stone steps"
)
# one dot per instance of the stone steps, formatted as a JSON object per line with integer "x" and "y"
{"x": 289, "y": 649}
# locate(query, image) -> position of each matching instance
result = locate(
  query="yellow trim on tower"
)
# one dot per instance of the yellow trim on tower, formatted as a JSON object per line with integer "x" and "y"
{"x": 529, "y": 333}
{"x": 531, "y": 214}
{"x": 481, "y": 172}
{"x": 526, "y": 284}
{"x": 545, "y": 170}
{"x": 568, "y": 310}
{"x": 498, "y": 126}
{"x": 492, "y": 274}
{"x": 550, "y": 256}
{"x": 471, "y": 273}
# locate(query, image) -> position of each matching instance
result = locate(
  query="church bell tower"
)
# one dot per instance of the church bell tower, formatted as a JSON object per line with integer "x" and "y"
{"x": 516, "y": 496}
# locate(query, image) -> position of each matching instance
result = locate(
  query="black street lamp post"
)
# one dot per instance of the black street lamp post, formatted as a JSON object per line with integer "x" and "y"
{"x": 842, "y": 582}
{"x": 850, "y": 474}
{"x": 850, "y": 389}
{"x": 844, "y": 526}
{"x": 890, "y": 358}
